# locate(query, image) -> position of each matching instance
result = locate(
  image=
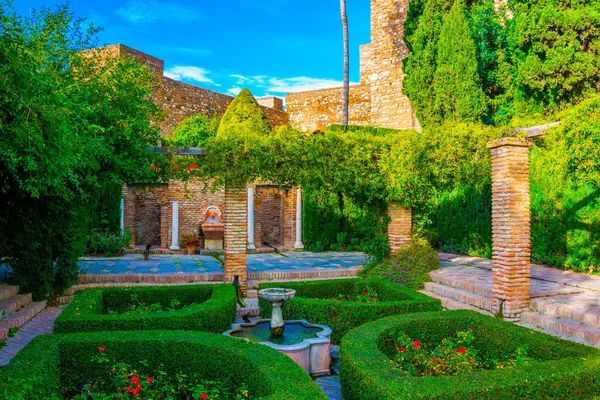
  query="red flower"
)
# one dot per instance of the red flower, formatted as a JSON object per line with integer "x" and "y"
{"x": 149, "y": 380}
{"x": 136, "y": 391}
{"x": 153, "y": 166}
{"x": 128, "y": 388}
{"x": 100, "y": 348}
{"x": 193, "y": 166}
{"x": 471, "y": 329}
{"x": 135, "y": 380}
{"x": 175, "y": 165}
{"x": 366, "y": 293}
{"x": 435, "y": 360}
{"x": 203, "y": 396}
{"x": 471, "y": 359}
{"x": 461, "y": 350}
{"x": 402, "y": 349}
{"x": 416, "y": 344}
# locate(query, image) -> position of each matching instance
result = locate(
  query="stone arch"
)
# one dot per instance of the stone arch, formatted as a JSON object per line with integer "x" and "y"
{"x": 269, "y": 217}
{"x": 147, "y": 218}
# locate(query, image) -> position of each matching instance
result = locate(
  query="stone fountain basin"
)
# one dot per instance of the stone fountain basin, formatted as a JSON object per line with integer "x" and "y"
{"x": 213, "y": 231}
{"x": 311, "y": 354}
{"x": 277, "y": 295}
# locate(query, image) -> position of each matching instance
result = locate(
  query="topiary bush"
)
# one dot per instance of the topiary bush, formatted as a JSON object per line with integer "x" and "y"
{"x": 49, "y": 365}
{"x": 244, "y": 117}
{"x": 316, "y": 302}
{"x": 213, "y": 311}
{"x": 559, "y": 370}
{"x": 409, "y": 267}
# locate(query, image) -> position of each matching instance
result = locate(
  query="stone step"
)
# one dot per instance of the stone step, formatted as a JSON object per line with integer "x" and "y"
{"x": 562, "y": 328}
{"x": 451, "y": 304}
{"x": 7, "y": 291}
{"x": 13, "y": 304}
{"x": 460, "y": 295}
{"x": 251, "y": 309}
{"x": 567, "y": 311}
{"x": 440, "y": 276}
{"x": 20, "y": 318}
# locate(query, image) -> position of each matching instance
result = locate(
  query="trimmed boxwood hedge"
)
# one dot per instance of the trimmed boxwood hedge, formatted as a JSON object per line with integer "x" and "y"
{"x": 561, "y": 370}
{"x": 51, "y": 363}
{"x": 214, "y": 311}
{"x": 314, "y": 302}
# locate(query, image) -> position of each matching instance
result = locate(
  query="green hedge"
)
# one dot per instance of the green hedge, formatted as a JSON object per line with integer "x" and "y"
{"x": 314, "y": 302}
{"x": 560, "y": 370}
{"x": 214, "y": 311}
{"x": 50, "y": 363}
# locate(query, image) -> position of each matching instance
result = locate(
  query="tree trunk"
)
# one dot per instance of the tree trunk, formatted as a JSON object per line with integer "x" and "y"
{"x": 346, "y": 87}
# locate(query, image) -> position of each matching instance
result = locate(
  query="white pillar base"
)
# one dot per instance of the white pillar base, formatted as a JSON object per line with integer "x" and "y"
{"x": 251, "y": 246}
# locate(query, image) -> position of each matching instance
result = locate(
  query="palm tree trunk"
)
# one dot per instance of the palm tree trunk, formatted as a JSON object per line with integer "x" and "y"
{"x": 346, "y": 87}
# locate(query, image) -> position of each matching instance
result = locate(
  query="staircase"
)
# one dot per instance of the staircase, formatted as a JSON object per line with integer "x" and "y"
{"x": 560, "y": 308}
{"x": 16, "y": 309}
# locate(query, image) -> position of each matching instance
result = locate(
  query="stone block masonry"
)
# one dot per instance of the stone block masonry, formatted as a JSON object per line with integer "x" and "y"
{"x": 378, "y": 100}
{"x": 511, "y": 240}
{"x": 400, "y": 227}
{"x": 180, "y": 100}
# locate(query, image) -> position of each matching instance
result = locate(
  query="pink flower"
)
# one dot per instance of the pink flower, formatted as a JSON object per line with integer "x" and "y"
{"x": 100, "y": 348}
{"x": 135, "y": 380}
{"x": 136, "y": 391}
{"x": 149, "y": 380}
{"x": 461, "y": 350}
{"x": 416, "y": 344}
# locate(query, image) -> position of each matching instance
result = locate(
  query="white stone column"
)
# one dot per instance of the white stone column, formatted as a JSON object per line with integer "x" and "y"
{"x": 122, "y": 213}
{"x": 175, "y": 227}
{"x": 251, "y": 219}
{"x": 299, "y": 244}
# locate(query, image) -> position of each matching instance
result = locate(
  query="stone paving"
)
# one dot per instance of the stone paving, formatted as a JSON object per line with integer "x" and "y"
{"x": 40, "y": 324}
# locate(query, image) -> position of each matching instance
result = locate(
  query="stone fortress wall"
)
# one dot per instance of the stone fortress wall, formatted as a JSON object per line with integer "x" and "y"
{"x": 378, "y": 99}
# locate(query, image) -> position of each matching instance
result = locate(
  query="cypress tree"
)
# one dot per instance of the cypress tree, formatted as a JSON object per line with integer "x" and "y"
{"x": 458, "y": 92}
{"x": 244, "y": 117}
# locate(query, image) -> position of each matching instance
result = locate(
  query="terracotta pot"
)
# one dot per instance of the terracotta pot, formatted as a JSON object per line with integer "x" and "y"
{"x": 213, "y": 231}
{"x": 191, "y": 250}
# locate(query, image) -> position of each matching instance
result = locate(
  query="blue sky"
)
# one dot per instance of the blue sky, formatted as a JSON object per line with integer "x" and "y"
{"x": 270, "y": 46}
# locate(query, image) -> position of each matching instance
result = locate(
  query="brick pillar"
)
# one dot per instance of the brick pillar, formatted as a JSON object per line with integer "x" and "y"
{"x": 511, "y": 241}
{"x": 235, "y": 219}
{"x": 400, "y": 226}
{"x": 129, "y": 211}
{"x": 289, "y": 219}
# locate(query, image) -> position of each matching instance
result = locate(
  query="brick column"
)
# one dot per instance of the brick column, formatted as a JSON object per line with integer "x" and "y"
{"x": 235, "y": 219}
{"x": 400, "y": 226}
{"x": 511, "y": 241}
{"x": 129, "y": 211}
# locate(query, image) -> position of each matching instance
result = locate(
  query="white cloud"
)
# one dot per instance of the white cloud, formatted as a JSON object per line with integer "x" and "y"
{"x": 188, "y": 73}
{"x": 234, "y": 91}
{"x": 300, "y": 84}
{"x": 145, "y": 12}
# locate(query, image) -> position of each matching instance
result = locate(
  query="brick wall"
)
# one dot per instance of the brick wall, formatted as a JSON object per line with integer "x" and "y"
{"x": 147, "y": 219}
{"x": 274, "y": 216}
{"x": 271, "y": 102}
{"x": 381, "y": 102}
{"x": 235, "y": 220}
{"x": 400, "y": 226}
{"x": 511, "y": 240}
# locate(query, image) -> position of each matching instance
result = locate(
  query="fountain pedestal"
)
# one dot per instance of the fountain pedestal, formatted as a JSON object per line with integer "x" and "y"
{"x": 277, "y": 297}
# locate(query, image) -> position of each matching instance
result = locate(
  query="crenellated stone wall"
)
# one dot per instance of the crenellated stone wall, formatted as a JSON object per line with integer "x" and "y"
{"x": 378, "y": 100}
{"x": 180, "y": 100}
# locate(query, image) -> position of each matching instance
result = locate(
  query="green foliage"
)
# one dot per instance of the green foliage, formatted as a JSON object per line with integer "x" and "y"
{"x": 457, "y": 85}
{"x": 315, "y": 301}
{"x": 50, "y": 363}
{"x": 72, "y": 125}
{"x": 367, "y": 370}
{"x": 409, "y": 267}
{"x": 555, "y": 51}
{"x": 214, "y": 310}
{"x": 194, "y": 131}
{"x": 106, "y": 243}
{"x": 244, "y": 118}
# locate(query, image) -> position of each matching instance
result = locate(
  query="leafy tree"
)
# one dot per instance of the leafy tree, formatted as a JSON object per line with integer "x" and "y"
{"x": 195, "y": 131}
{"x": 72, "y": 122}
{"x": 457, "y": 86}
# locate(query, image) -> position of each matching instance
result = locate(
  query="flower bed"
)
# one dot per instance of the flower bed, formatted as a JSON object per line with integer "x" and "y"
{"x": 49, "y": 365}
{"x": 555, "y": 369}
{"x": 208, "y": 308}
{"x": 316, "y": 302}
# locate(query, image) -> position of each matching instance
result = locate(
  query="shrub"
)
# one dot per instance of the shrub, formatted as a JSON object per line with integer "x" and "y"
{"x": 315, "y": 302}
{"x": 558, "y": 370}
{"x": 107, "y": 243}
{"x": 214, "y": 310}
{"x": 409, "y": 267}
{"x": 194, "y": 131}
{"x": 50, "y": 363}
